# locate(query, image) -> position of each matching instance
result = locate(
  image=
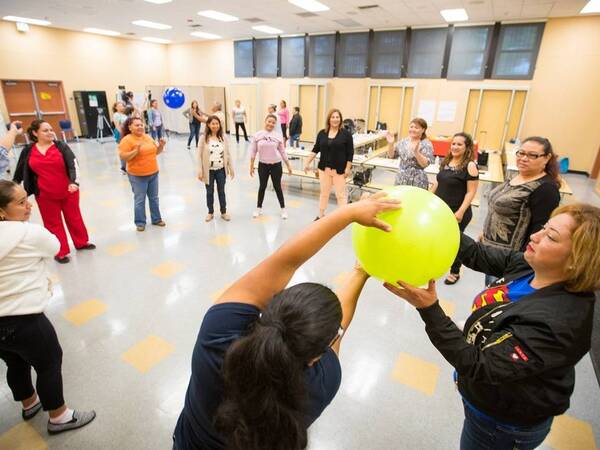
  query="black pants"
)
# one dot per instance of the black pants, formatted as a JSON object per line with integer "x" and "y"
{"x": 468, "y": 215}
{"x": 284, "y": 131}
{"x": 237, "y": 131}
{"x": 275, "y": 171}
{"x": 219, "y": 176}
{"x": 194, "y": 132}
{"x": 30, "y": 341}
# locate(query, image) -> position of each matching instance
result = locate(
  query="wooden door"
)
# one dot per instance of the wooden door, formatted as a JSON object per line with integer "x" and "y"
{"x": 407, "y": 110}
{"x": 20, "y": 103}
{"x": 373, "y": 114}
{"x": 308, "y": 100}
{"x": 491, "y": 122}
{"x": 516, "y": 115}
{"x": 390, "y": 107}
{"x": 246, "y": 94}
{"x": 51, "y": 103}
{"x": 472, "y": 108}
{"x": 322, "y": 110}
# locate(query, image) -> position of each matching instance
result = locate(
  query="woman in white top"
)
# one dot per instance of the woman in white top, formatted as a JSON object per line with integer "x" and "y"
{"x": 272, "y": 109}
{"x": 238, "y": 114}
{"x": 214, "y": 165}
{"x": 217, "y": 110}
{"x": 27, "y": 338}
{"x": 119, "y": 117}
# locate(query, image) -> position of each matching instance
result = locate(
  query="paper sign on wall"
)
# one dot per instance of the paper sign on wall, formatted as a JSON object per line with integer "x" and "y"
{"x": 93, "y": 100}
{"x": 426, "y": 110}
{"x": 446, "y": 111}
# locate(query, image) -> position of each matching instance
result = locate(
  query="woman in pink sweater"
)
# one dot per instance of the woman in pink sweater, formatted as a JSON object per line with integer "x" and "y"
{"x": 271, "y": 151}
{"x": 284, "y": 119}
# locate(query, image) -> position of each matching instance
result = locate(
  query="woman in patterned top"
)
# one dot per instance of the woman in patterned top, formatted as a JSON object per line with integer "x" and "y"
{"x": 414, "y": 153}
{"x": 520, "y": 206}
{"x": 214, "y": 165}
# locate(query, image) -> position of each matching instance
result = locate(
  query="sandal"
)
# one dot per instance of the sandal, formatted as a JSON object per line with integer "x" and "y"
{"x": 449, "y": 281}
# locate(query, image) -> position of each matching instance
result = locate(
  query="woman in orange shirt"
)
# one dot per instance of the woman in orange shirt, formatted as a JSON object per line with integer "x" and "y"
{"x": 140, "y": 151}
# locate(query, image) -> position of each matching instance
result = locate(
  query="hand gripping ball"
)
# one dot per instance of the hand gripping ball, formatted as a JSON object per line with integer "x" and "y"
{"x": 173, "y": 97}
{"x": 422, "y": 244}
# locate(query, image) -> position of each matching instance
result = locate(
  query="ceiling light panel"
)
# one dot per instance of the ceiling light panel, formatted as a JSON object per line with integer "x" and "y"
{"x": 158, "y": 2}
{"x": 267, "y": 29}
{"x": 101, "y": 31}
{"x": 593, "y": 6}
{"x": 153, "y": 25}
{"x": 204, "y": 35}
{"x": 156, "y": 40}
{"x": 310, "y": 5}
{"x": 28, "y": 20}
{"x": 454, "y": 15}
{"x": 216, "y": 15}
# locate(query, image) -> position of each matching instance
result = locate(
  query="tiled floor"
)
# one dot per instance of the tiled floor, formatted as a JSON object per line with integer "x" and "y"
{"x": 128, "y": 313}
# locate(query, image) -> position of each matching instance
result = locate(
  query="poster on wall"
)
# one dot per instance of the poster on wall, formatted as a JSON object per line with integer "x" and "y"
{"x": 446, "y": 111}
{"x": 426, "y": 110}
{"x": 93, "y": 100}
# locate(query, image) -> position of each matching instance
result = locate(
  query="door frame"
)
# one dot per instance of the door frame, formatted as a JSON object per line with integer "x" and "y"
{"x": 317, "y": 83}
{"x": 497, "y": 87}
{"x": 256, "y": 83}
{"x": 398, "y": 84}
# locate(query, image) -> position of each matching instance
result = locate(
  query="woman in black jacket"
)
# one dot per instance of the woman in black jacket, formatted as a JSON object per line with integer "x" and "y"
{"x": 335, "y": 164}
{"x": 515, "y": 359}
{"x": 49, "y": 170}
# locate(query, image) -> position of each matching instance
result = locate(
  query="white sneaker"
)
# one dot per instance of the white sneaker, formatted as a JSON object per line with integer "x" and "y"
{"x": 257, "y": 212}
{"x": 284, "y": 214}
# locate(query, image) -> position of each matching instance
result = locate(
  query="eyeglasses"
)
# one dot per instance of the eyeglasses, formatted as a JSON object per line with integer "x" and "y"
{"x": 529, "y": 155}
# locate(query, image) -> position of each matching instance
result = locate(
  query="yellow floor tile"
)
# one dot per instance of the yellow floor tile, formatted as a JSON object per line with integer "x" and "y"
{"x": 54, "y": 278}
{"x": 569, "y": 433}
{"x": 222, "y": 240}
{"x": 448, "y": 307}
{"x": 147, "y": 353}
{"x": 102, "y": 177}
{"x": 91, "y": 229}
{"x": 416, "y": 373}
{"x": 121, "y": 248}
{"x": 181, "y": 226}
{"x": 167, "y": 269}
{"x": 215, "y": 295}
{"x": 294, "y": 204}
{"x": 263, "y": 219}
{"x": 22, "y": 437}
{"x": 85, "y": 311}
{"x": 111, "y": 203}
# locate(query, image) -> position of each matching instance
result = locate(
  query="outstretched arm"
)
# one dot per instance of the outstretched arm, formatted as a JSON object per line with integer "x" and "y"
{"x": 272, "y": 275}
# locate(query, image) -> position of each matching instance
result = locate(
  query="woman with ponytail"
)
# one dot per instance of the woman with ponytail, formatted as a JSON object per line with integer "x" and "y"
{"x": 265, "y": 363}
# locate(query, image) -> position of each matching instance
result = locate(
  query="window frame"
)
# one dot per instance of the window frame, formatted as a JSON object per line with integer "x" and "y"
{"x": 535, "y": 51}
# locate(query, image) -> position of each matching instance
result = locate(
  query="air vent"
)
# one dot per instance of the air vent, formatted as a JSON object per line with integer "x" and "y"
{"x": 306, "y": 14}
{"x": 348, "y": 23}
{"x": 130, "y": 34}
{"x": 195, "y": 25}
{"x": 254, "y": 20}
{"x": 368, "y": 7}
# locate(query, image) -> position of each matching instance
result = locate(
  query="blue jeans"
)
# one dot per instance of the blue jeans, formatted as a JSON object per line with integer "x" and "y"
{"x": 156, "y": 132}
{"x": 295, "y": 140}
{"x": 481, "y": 433}
{"x": 194, "y": 132}
{"x": 219, "y": 176}
{"x": 142, "y": 187}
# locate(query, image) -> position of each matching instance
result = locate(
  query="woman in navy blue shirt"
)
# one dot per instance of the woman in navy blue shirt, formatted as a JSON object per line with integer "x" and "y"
{"x": 265, "y": 363}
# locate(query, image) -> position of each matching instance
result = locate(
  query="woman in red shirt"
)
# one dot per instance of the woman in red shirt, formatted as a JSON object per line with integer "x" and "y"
{"x": 49, "y": 170}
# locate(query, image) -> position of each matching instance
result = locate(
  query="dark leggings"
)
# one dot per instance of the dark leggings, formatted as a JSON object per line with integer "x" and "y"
{"x": 275, "y": 171}
{"x": 237, "y": 131}
{"x": 194, "y": 132}
{"x": 30, "y": 341}
{"x": 455, "y": 269}
{"x": 284, "y": 131}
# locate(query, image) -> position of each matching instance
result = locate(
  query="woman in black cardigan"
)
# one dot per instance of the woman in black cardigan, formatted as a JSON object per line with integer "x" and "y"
{"x": 515, "y": 358}
{"x": 335, "y": 164}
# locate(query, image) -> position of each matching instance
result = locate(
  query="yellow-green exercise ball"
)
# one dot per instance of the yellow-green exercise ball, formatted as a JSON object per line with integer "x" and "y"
{"x": 422, "y": 244}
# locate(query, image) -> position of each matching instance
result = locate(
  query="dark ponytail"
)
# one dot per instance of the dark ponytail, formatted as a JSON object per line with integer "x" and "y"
{"x": 265, "y": 401}
{"x": 7, "y": 190}
{"x": 552, "y": 165}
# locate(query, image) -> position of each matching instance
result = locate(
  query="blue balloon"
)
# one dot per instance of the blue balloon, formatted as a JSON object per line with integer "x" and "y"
{"x": 173, "y": 97}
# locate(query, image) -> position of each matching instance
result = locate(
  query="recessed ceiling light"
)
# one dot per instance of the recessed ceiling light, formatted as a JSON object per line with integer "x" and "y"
{"x": 216, "y": 15}
{"x": 310, "y": 5}
{"x": 158, "y": 2}
{"x": 148, "y": 24}
{"x": 22, "y": 27}
{"x": 156, "y": 40}
{"x": 267, "y": 29}
{"x": 27, "y": 20}
{"x": 101, "y": 31}
{"x": 593, "y": 6}
{"x": 204, "y": 35}
{"x": 454, "y": 15}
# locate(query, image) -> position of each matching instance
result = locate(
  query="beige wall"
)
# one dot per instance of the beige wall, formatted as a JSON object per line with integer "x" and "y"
{"x": 81, "y": 61}
{"x": 563, "y": 102}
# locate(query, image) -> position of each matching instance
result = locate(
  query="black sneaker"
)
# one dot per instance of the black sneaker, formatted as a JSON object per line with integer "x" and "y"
{"x": 88, "y": 246}
{"x": 80, "y": 419}
{"x": 62, "y": 260}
